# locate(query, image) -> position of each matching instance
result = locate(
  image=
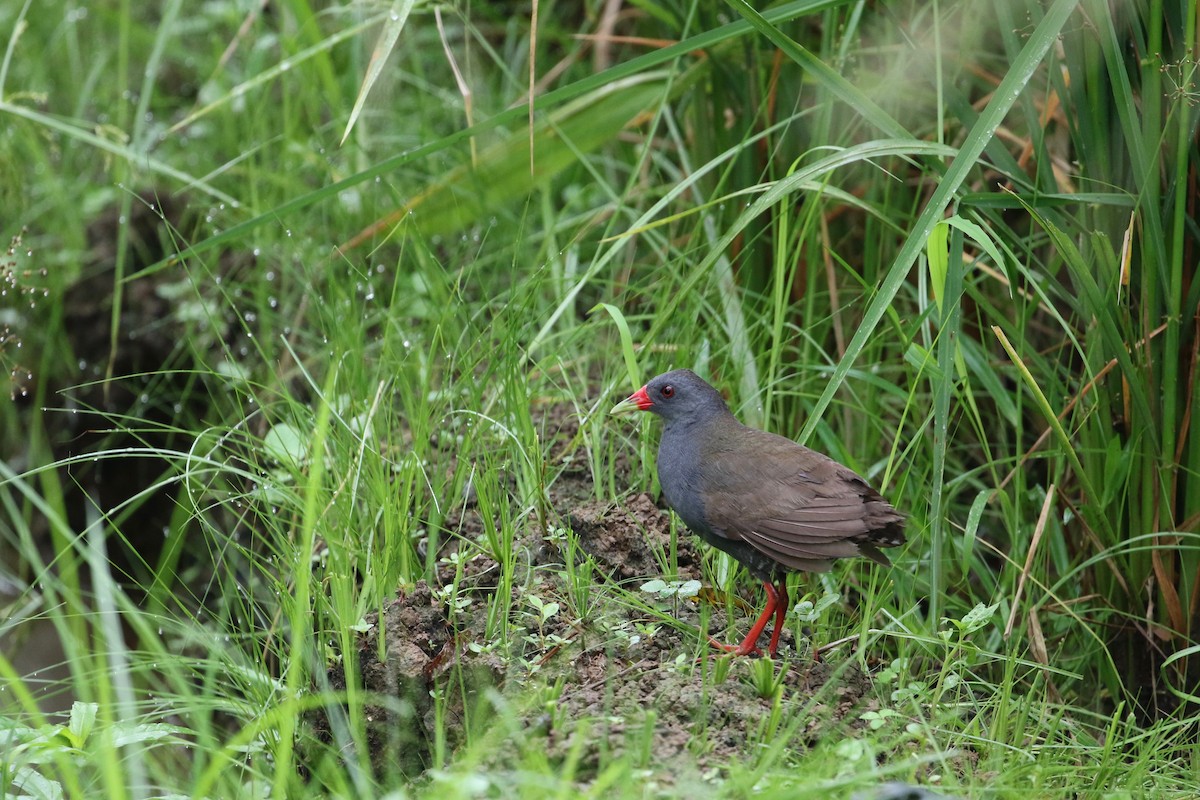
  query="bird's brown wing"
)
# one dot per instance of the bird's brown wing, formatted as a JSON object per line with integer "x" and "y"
{"x": 798, "y": 507}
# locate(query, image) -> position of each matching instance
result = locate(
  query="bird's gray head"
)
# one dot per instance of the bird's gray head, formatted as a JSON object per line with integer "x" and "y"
{"x": 677, "y": 395}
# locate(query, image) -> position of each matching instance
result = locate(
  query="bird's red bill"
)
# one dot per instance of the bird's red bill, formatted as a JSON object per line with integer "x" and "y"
{"x": 640, "y": 399}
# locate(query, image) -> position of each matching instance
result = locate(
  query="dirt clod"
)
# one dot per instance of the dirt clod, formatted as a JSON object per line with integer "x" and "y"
{"x": 632, "y": 540}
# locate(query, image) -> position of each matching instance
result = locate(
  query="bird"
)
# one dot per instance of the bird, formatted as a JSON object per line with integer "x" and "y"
{"x": 774, "y": 505}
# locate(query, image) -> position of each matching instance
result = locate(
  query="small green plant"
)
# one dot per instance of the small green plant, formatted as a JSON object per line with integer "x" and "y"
{"x": 810, "y": 610}
{"x": 674, "y": 590}
{"x": 454, "y": 599}
{"x": 958, "y": 636}
{"x": 974, "y": 620}
{"x": 542, "y": 613}
{"x": 580, "y": 569}
{"x": 763, "y": 678}
{"x": 879, "y": 719}
{"x": 635, "y": 631}
{"x": 33, "y": 754}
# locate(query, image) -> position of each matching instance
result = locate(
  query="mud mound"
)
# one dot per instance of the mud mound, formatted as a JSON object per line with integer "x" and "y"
{"x": 619, "y": 678}
{"x": 632, "y": 540}
{"x": 686, "y": 721}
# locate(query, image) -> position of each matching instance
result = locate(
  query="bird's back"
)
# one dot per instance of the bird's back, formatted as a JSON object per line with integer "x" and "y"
{"x": 799, "y": 508}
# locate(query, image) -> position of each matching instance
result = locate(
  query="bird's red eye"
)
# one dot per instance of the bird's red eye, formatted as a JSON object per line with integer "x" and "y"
{"x": 668, "y": 391}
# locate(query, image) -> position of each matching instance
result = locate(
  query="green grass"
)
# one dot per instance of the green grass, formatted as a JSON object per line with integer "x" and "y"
{"x": 897, "y": 234}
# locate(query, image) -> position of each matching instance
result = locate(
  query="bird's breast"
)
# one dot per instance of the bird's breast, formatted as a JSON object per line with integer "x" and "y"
{"x": 679, "y": 474}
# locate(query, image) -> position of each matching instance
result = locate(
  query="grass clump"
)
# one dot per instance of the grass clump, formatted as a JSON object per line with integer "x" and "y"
{"x": 308, "y": 486}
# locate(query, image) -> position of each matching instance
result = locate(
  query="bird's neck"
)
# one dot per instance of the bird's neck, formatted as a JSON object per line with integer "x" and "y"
{"x": 697, "y": 424}
{"x": 684, "y": 438}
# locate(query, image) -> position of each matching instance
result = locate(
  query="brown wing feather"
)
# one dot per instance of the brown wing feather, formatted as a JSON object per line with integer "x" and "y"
{"x": 797, "y": 506}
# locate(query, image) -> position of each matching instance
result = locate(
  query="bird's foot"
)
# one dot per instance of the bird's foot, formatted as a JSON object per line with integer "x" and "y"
{"x": 746, "y": 648}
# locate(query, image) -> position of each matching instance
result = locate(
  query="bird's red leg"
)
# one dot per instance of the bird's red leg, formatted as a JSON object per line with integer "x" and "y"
{"x": 781, "y": 607}
{"x": 748, "y": 644}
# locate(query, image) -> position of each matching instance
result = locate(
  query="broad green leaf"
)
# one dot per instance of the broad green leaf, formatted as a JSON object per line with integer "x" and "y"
{"x": 938, "y": 257}
{"x": 285, "y": 444}
{"x": 626, "y": 343}
{"x": 467, "y": 194}
{"x": 83, "y": 717}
